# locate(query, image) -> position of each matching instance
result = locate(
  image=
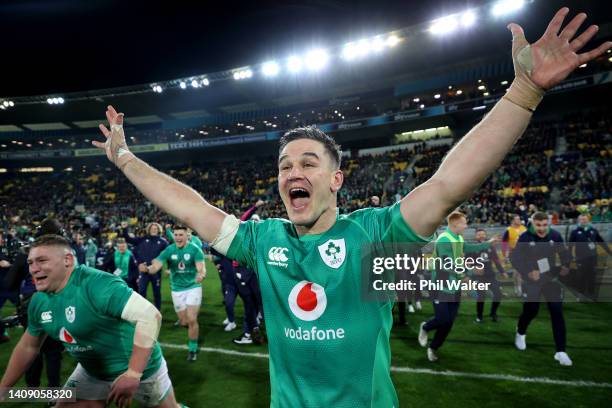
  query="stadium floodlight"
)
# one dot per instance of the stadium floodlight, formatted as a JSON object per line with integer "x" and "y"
{"x": 157, "y": 89}
{"x": 582, "y": 66}
{"x": 2, "y": 107}
{"x": 205, "y": 82}
{"x": 248, "y": 73}
{"x": 270, "y": 68}
{"x": 316, "y": 59}
{"x": 349, "y": 51}
{"x": 392, "y": 40}
{"x": 183, "y": 85}
{"x": 444, "y": 25}
{"x": 459, "y": 92}
{"x": 50, "y": 101}
{"x": 506, "y": 7}
{"x": 5, "y": 103}
{"x": 437, "y": 96}
{"x": 363, "y": 47}
{"x": 60, "y": 100}
{"x": 416, "y": 100}
{"x": 504, "y": 82}
{"x": 468, "y": 18}
{"x": 194, "y": 83}
{"x": 236, "y": 75}
{"x": 294, "y": 64}
{"x": 482, "y": 88}
{"x": 485, "y": 94}
{"x": 377, "y": 44}
{"x": 421, "y": 106}
{"x": 55, "y": 101}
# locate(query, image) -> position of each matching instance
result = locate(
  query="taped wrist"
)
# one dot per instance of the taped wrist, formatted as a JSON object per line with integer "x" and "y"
{"x": 146, "y": 317}
{"x": 523, "y": 91}
{"x": 226, "y": 235}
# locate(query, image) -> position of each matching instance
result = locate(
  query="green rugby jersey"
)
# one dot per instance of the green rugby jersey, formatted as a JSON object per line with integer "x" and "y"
{"x": 328, "y": 348}
{"x": 86, "y": 316}
{"x": 182, "y": 265}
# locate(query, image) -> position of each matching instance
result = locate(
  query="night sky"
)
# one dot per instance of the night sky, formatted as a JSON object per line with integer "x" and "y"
{"x": 62, "y": 46}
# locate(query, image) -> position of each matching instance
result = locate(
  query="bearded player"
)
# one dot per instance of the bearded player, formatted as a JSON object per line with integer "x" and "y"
{"x": 309, "y": 266}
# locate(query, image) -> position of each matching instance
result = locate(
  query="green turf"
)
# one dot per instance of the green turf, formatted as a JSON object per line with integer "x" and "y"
{"x": 218, "y": 380}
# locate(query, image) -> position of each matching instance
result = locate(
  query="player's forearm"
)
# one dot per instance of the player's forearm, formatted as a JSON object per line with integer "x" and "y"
{"x": 174, "y": 197}
{"x": 480, "y": 152}
{"x": 139, "y": 360}
{"x": 21, "y": 358}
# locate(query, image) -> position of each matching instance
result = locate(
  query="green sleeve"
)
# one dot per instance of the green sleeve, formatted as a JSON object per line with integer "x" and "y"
{"x": 199, "y": 255}
{"x": 473, "y": 247}
{"x": 196, "y": 241}
{"x": 170, "y": 235}
{"x": 242, "y": 248}
{"x": 163, "y": 256}
{"x": 387, "y": 225}
{"x": 108, "y": 294}
{"x": 34, "y": 325}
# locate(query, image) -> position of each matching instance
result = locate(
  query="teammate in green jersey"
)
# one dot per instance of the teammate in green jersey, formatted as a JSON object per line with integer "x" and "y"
{"x": 186, "y": 268}
{"x": 110, "y": 330}
{"x": 327, "y": 348}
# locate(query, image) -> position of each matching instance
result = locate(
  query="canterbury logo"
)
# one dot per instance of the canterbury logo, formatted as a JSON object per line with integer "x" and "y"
{"x": 46, "y": 317}
{"x": 278, "y": 254}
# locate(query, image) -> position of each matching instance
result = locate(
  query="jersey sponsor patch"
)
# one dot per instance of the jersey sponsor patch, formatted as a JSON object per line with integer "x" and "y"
{"x": 277, "y": 256}
{"x": 70, "y": 314}
{"x": 307, "y": 301}
{"x": 46, "y": 317}
{"x": 333, "y": 252}
{"x": 66, "y": 337}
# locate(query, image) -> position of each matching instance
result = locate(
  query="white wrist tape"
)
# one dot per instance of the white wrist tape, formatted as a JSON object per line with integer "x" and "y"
{"x": 146, "y": 317}
{"x": 226, "y": 235}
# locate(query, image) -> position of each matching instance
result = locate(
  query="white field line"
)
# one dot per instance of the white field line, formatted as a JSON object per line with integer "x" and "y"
{"x": 446, "y": 373}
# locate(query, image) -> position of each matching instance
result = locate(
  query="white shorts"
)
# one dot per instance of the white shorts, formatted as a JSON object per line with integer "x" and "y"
{"x": 184, "y": 298}
{"x": 150, "y": 393}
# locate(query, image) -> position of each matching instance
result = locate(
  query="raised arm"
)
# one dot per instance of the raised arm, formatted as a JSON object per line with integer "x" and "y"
{"x": 537, "y": 67}
{"x": 171, "y": 196}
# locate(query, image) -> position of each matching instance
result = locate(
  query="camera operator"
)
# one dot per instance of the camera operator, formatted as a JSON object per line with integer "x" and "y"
{"x": 19, "y": 278}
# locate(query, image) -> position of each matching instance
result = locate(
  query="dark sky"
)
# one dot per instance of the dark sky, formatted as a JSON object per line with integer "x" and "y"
{"x": 72, "y": 45}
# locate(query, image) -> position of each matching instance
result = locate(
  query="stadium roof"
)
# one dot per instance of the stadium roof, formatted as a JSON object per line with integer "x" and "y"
{"x": 84, "y": 46}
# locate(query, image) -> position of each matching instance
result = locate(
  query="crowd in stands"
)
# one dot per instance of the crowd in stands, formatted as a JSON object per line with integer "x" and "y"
{"x": 533, "y": 177}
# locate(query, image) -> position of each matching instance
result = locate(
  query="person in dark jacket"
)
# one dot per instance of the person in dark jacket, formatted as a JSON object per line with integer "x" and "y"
{"x": 146, "y": 249}
{"x": 487, "y": 275}
{"x": 122, "y": 263}
{"x": 535, "y": 258}
{"x": 584, "y": 241}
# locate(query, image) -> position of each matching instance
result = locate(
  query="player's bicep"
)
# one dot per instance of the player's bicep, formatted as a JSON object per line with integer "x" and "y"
{"x": 425, "y": 207}
{"x": 32, "y": 342}
{"x": 207, "y": 221}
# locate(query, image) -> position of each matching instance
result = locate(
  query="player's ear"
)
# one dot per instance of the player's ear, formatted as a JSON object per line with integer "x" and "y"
{"x": 337, "y": 180}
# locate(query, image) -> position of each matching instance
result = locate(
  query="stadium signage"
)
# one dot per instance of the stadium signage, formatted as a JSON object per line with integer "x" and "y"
{"x": 352, "y": 125}
{"x": 404, "y": 116}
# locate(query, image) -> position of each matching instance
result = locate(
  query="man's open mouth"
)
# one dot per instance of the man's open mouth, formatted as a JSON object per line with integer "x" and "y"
{"x": 299, "y": 198}
{"x": 39, "y": 279}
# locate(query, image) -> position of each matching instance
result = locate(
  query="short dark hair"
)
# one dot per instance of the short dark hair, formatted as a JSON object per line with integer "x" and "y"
{"x": 313, "y": 133}
{"x": 49, "y": 226}
{"x": 121, "y": 240}
{"x": 481, "y": 229}
{"x": 179, "y": 227}
{"x": 539, "y": 216}
{"x": 51, "y": 240}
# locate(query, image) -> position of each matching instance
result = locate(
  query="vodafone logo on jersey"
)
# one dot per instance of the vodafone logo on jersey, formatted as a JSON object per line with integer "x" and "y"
{"x": 66, "y": 337}
{"x": 307, "y": 301}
